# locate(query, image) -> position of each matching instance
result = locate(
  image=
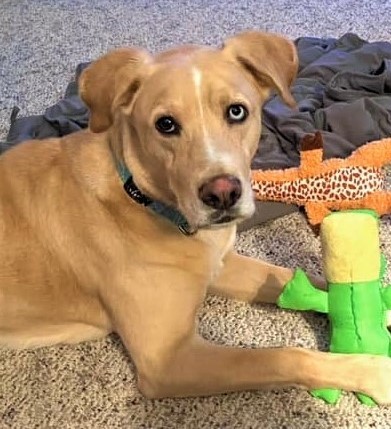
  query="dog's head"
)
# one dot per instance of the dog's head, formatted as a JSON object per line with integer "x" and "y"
{"x": 187, "y": 122}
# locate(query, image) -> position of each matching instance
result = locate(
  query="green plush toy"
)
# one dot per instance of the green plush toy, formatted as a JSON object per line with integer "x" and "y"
{"x": 356, "y": 301}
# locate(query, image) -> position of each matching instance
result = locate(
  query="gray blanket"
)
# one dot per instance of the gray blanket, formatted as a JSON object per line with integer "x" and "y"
{"x": 343, "y": 88}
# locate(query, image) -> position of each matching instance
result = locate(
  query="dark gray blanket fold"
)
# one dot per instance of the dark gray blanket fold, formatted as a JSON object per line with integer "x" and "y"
{"x": 343, "y": 89}
{"x": 68, "y": 115}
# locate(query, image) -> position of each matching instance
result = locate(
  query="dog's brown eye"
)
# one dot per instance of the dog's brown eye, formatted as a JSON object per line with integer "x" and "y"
{"x": 236, "y": 113}
{"x": 167, "y": 125}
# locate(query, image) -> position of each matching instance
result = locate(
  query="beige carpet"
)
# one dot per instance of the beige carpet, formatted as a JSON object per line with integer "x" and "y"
{"x": 92, "y": 385}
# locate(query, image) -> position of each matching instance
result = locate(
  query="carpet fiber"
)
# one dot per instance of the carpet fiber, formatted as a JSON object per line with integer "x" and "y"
{"x": 92, "y": 385}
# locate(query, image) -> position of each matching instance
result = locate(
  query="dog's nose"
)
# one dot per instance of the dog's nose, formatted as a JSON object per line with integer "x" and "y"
{"x": 221, "y": 192}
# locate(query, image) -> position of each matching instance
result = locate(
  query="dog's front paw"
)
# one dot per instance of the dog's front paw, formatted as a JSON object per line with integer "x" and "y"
{"x": 375, "y": 380}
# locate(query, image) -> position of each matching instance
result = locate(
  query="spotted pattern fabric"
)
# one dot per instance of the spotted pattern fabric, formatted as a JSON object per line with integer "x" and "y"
{"x": 348, "y": 183}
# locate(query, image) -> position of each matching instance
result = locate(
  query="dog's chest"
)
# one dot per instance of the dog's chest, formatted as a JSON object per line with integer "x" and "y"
{"x": 219, "y": 242}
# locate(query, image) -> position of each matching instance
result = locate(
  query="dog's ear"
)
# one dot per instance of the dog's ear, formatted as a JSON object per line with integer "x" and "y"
{"x": 109, "y": 82}
{"x": 271, "y": 59}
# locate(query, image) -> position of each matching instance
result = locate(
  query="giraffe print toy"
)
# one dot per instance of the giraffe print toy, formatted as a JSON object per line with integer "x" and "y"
{"x": 335, "y": 184}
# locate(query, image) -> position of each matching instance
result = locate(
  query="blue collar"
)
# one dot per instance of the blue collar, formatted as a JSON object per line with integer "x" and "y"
{"x": 158, "y": 207}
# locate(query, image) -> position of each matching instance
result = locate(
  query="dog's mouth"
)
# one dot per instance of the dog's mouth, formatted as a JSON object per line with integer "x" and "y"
{"x": 223, "y": 218}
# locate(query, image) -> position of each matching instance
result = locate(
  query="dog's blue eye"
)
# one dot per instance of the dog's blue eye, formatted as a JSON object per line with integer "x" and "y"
{"x": 167, "y": 125}
{"x": 236, "y": 113}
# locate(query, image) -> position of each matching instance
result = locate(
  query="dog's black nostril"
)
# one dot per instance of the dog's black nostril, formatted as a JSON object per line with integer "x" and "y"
{"x": 221, "y": 193}
{"x": 234, "y": 196}
{"x": 211, "y": 200}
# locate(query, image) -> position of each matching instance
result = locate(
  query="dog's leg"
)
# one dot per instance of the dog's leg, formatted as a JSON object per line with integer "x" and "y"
{"x": 200, "y": 368}
{"x": 251, "y": 280}
{"x": 157, "y": 323}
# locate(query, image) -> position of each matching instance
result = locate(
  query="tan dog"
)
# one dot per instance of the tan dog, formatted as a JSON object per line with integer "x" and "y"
{"x": 80, "y": 258}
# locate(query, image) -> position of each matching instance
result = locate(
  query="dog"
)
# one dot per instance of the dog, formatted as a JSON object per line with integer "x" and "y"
{"x": 126, "y": 226}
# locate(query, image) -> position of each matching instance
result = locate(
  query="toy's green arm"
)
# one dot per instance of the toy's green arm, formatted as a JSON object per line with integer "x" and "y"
{"x": 300, "y": 294}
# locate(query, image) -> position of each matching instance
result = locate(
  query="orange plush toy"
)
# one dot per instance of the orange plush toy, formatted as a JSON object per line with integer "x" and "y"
{"x": 335, "y": 184}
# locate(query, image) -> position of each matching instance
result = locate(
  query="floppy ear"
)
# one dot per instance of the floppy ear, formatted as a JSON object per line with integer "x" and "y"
{"x": 271, "y": 59}
{"x": 109, "y": 82}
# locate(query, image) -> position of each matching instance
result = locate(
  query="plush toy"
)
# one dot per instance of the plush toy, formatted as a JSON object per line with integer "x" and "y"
{"x": 335, "y": 184}
{"x": 356, "y": 301}
{"x": 343, "y": 197}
